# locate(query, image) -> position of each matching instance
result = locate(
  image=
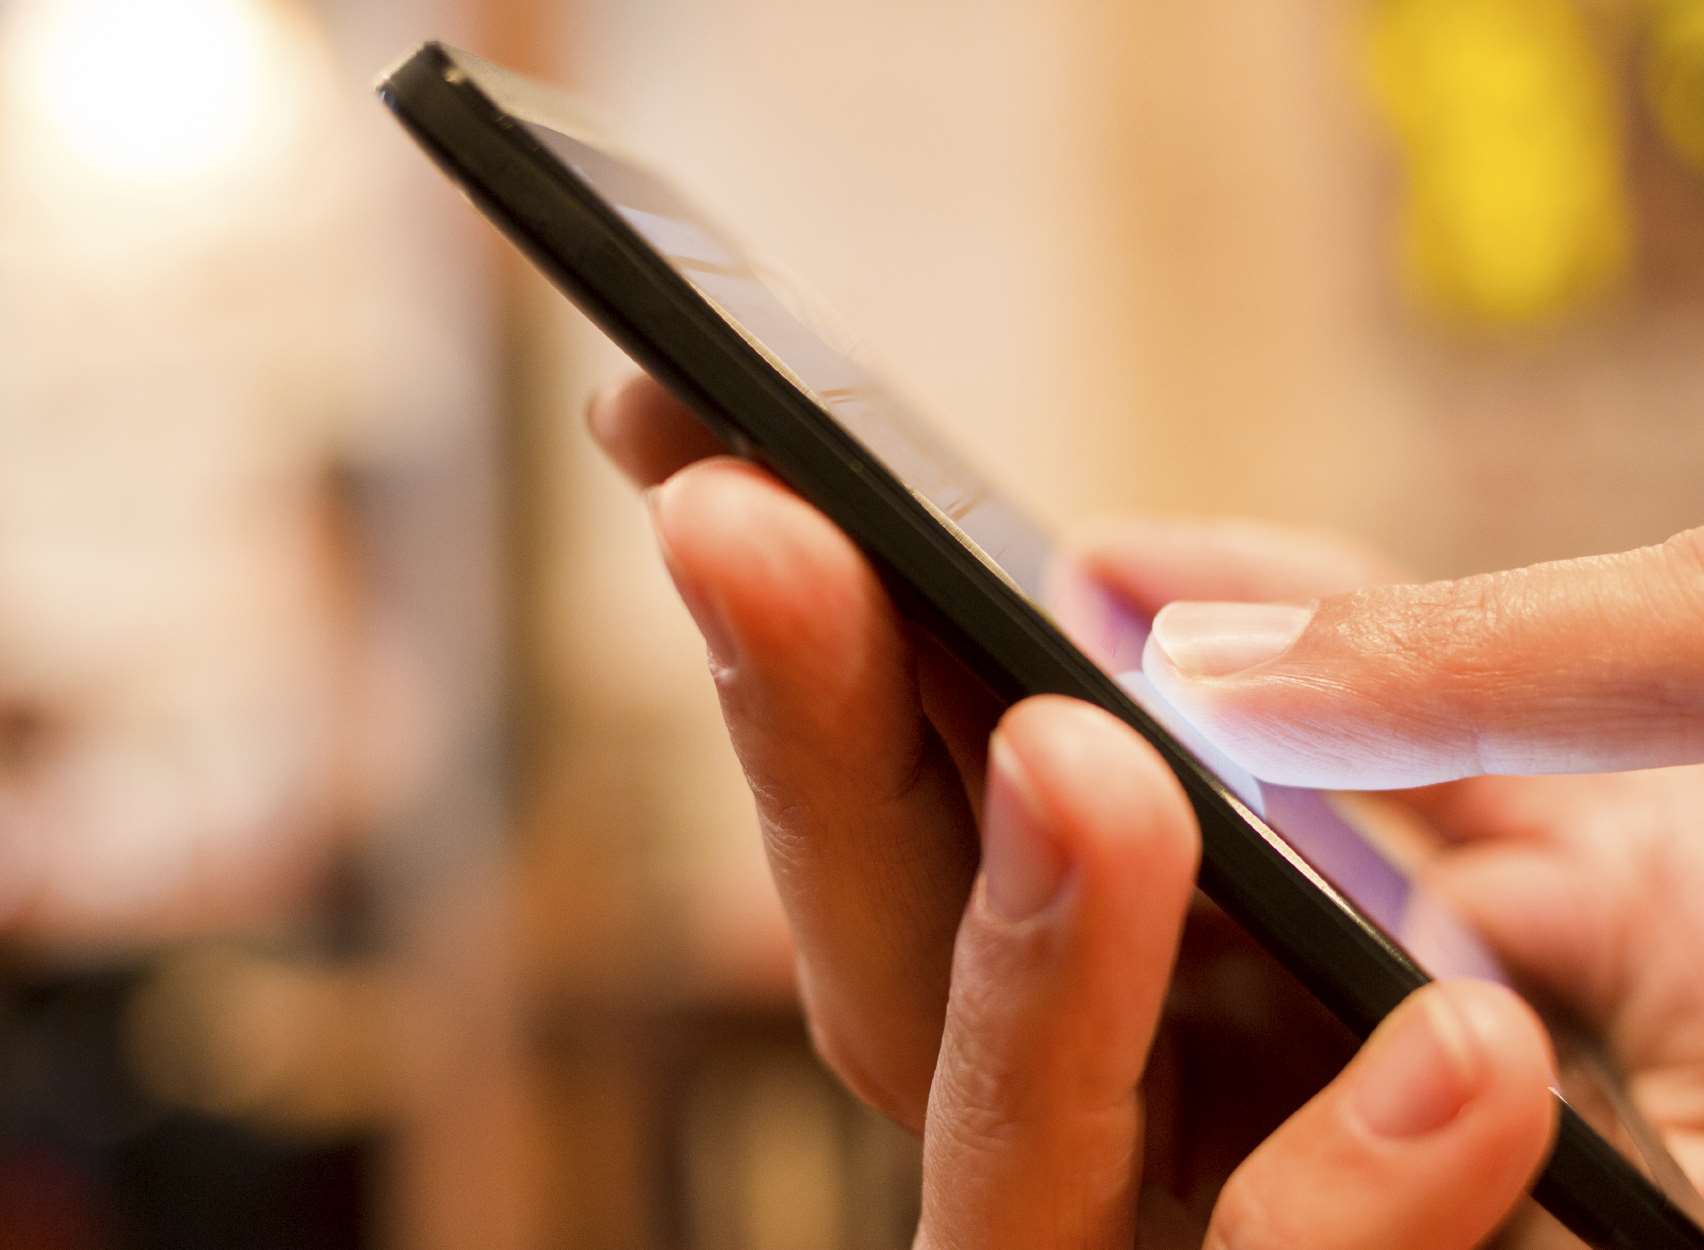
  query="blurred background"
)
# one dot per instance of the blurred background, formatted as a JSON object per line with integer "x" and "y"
{"x": 372, "y": 870}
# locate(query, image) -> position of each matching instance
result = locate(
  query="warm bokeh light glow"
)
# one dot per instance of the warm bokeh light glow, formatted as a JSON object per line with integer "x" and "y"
{"x": 152, "y": 92}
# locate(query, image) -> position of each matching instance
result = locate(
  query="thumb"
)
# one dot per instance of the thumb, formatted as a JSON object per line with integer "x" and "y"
{"x": 1590, "y": 665}
{"x": 1034, "y": 1131}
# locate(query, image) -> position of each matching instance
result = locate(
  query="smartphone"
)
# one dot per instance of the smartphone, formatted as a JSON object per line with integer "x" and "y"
{"x": 1306, "y": 880}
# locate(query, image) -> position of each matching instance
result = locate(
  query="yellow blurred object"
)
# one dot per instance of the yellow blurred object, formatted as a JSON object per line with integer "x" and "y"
{"x": 1517, "y": 209}
{"x": 1674, "y": 76}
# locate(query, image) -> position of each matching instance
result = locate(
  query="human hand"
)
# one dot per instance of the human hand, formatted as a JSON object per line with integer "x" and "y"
{"x": 1578, "y": 666}
{"x": 1010, "y": 1015}
{"x": 1589, "y": 886}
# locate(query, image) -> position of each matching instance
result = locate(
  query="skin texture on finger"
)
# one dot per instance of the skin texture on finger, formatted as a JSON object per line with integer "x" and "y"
{"x": 1577, "y": 666}
{"x": 1425, "y": 1142}
{"x": 864, "y": 816}
{"x": 646, "y": 432}
{"x": 1062, "y": 963}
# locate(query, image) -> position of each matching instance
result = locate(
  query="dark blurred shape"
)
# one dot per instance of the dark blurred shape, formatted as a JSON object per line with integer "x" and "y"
{"x": 88, "y": 1159}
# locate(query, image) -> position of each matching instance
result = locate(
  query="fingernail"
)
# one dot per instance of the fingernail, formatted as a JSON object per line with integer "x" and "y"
{"x": 718, "y": 638}
{"x": 1219, "y": 639}
{"x": 1022, "y": 867}
{"x": 1422, "y": 1067}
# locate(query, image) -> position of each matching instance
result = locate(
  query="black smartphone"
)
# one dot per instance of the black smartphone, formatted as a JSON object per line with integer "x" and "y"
{"x": 1306, "y": 880}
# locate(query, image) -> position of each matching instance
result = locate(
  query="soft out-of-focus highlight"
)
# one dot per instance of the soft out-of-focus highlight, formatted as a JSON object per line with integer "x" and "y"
{"x": 373, "y": 871}
{"x": 157, "y": 93}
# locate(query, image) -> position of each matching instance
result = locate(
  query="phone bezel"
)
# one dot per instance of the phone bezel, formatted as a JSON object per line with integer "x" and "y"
{"x": 637, "y": 298}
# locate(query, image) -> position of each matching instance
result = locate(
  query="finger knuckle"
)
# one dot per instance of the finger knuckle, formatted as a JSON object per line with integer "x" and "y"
{"x": 784, "y": 823}
{"x": 996, "y": 1069}
{"x": 1433, "y": 670}
{"x": 1454, "y": 626}
{"x": 985, "y": 1095}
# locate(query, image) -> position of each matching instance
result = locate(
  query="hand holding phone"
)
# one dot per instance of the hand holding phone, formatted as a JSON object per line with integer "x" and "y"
{"x": 866, "y": 747}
